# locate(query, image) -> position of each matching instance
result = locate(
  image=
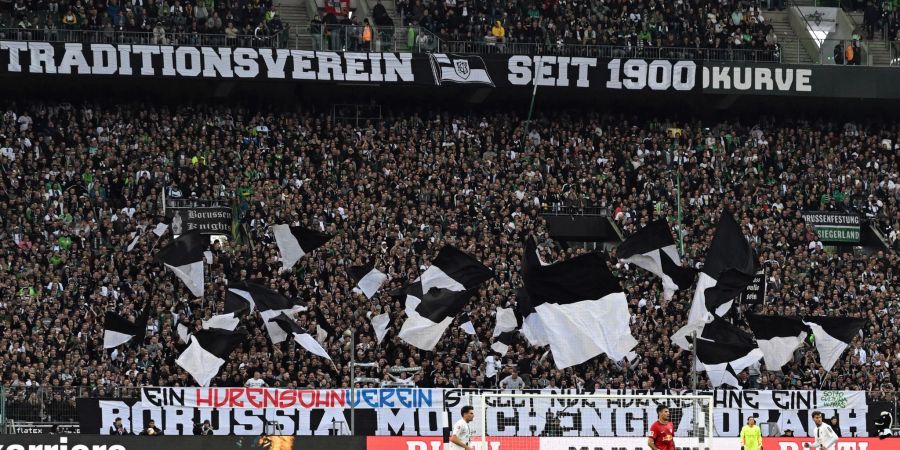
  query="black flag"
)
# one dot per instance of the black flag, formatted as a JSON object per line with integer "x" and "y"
{"x": 439, "y": 295}
{"x": 724, "y": 350}
{"x": 576, "y": 306}
{"x": 833, "y": 335}
{"x": 652, "y": 248}
{"x": 729, "y": 267}
{"x": 207, "y": 352}
{"x": 269, "y": 303}
{"x": 289, "y": 326}
{"x": 184, "y": 257}
{"x": 295, "y": 242}
{"x": 778, "y": 337}
{"x": 118, "y": 330}
{"x": 367, "y": 278}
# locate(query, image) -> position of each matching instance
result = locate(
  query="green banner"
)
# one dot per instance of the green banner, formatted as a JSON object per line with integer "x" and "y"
{"x": 834, "y": 226}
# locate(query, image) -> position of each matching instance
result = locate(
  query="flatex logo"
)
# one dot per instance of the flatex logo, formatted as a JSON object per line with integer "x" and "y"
{"x": 62, "y": 445}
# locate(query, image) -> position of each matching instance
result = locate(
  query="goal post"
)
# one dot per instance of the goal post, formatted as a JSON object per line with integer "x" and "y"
{"x": 556, "y": 421}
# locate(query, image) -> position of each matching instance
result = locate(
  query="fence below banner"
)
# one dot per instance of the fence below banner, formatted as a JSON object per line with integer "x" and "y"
{"x": 277, "y": 40}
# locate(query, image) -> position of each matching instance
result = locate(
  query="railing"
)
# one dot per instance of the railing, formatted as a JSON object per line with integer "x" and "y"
{"x": 833, "y": 51}
{"x": 609, "y": 51}
{"x": 569, "y": 210}
{"x": 352, "y": 38}
{"x": 52, "y": 404}
{"x": 279, "y": 40}
{"x": 801, "y": 27}
{"x": 417, "y": 39}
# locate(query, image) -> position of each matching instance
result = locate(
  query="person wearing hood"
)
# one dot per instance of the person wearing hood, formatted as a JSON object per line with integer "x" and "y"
{"x": 498, "y": 31}
{"x": 835, "y": 425}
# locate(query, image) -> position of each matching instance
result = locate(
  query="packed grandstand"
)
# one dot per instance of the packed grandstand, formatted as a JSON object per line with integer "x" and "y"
{"x": 81, "y": 179}
{"x": 437, "y": 201}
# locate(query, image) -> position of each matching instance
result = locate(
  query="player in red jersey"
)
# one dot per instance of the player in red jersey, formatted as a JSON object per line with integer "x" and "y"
{"x": 662, "y": 432}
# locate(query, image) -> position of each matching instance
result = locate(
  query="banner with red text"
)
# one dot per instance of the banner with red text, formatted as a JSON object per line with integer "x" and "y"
{"x": 430, "y": 412}
{"x": 262, "y": 398}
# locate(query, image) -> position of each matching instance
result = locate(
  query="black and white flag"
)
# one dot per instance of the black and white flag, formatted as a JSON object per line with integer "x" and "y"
{"x": 832, "y": 336}
{"x": 465, "y": 324}
{"x": 653, "y": 249}
{"x": 269, "y": 303}
{"x": 159, "y": 231}
{"x": 289, "y": 326}
{"x": 576, "y": 306}
{"x": 460, "y": 69}
{"x": 503, "y": 341}
{"x": 729, "y": 267}
{"x": 118, "y": 330}
{"x": 135, "y": 237}
{"x": 184, "y": 257}
{"x": 323, "y": 327}
{"x": 381, "y": 323}
{"x": 367, "y": 278}
{"x": 295, "y": 242}
{"x": 532, "y": 328}
{"x": 226, "y": 321}
{"x": 439, "y": 295}
{"x": 183, "y": 332}
{"x": 237, "y": 303}
{"x": 723, "y": 351}
{"x": 778, "y": 337}
{"x": 207, "y": 352}
{"x": 507, "y": 320}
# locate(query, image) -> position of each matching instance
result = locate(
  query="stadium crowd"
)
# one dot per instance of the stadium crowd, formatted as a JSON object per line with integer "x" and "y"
{"x": 727, "y": 24}
{"x": 78, "y": 180}
{"x": 169, "y": 21}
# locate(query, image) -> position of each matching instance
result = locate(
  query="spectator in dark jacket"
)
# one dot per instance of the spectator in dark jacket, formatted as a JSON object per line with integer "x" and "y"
{"x": 151, "y": 429}
{"x": 117, "y": 428}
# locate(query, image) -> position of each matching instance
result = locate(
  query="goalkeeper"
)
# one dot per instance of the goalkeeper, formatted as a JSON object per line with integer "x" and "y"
{"x": 751, "y": 436}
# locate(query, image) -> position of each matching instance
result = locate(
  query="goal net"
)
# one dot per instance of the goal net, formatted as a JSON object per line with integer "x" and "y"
{"x": 511, "y": 421}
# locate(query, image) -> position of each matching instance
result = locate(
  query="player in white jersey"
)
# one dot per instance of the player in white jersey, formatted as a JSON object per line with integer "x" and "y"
{"x": 462, "y": 430}
{"x": 826, "y": 439}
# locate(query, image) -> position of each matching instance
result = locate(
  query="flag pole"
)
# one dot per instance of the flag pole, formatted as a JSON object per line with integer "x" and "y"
{"x": 694, "y": 360}
{"x": 352, "y": 381}
{"x": 531, "y": 106}
{"x": 678, "y": 199}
